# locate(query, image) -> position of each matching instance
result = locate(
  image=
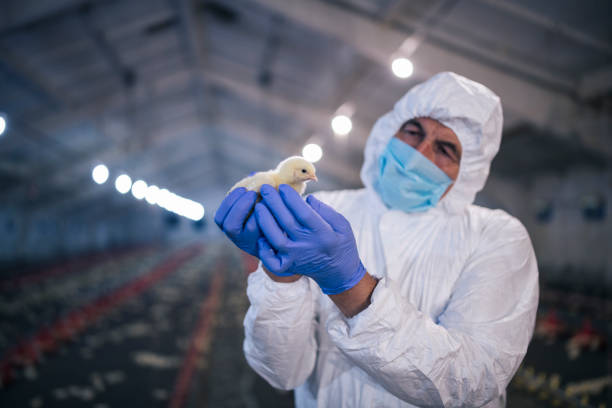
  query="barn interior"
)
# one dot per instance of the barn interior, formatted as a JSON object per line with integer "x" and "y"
{"x": 124, "y": 123}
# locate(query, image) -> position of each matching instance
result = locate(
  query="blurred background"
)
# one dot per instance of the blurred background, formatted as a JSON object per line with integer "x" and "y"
{"x": 123, "y": 124}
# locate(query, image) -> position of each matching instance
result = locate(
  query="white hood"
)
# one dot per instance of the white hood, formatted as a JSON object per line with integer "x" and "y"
{"x": 470, "y": 109}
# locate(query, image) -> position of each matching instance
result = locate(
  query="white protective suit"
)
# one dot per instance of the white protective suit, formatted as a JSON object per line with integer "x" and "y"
{"x": 454, "y": 310}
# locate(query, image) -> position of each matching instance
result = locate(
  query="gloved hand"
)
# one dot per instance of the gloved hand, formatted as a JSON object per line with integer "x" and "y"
{"x": 231, "y": 217}
{"x": 307, "y": 238}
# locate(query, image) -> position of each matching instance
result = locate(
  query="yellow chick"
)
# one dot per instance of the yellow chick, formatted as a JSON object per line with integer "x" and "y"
{"x": 295, "y": 171}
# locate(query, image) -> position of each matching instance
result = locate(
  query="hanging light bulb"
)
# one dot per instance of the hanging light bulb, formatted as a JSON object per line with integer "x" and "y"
{"x": 152, "y": 194}
{"x": 312, "y": 152}
{"x": 139, "y": 189}
{"x": 99, "y": 174}
{"x": 402, "y": 67}
{"x": 341, "y": 125}
{"x": 123, "y": 183}
{"x": 2, "y": 124}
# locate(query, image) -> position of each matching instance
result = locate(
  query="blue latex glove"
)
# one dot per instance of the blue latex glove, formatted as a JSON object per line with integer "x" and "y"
{"x": 307, "y": 238}
{"x": 231, "y": 217}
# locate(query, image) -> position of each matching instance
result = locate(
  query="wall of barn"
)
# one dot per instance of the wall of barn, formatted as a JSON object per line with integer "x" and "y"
{"x": 31, "y": 237}
{"x": 567, "y": 216}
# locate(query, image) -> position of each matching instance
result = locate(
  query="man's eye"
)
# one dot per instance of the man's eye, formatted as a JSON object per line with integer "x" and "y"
{"x": 444, "y": 150}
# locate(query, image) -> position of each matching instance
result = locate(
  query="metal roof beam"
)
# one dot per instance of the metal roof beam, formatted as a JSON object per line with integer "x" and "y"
{"x": 25, "y": 73}
{"x": 540, "y": 106}
{"x": 192, "y": 34}
{"x": 309, "y": 115}
{"x": 596, "y": 83}
{"x": 21, "y": 14}
{"x": 548, "y": 23}
{"x": 124, "y": 74}
{"x": 62, "y": 192}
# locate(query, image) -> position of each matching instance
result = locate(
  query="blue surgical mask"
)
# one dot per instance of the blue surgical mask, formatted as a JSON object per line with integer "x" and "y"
{"x": 407, "y": 180}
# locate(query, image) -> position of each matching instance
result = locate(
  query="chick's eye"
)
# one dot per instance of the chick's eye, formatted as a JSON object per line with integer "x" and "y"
{"x": 303, "y": 170}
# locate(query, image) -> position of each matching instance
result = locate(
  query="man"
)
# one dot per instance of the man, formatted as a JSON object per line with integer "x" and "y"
{"x": 402, "y": 293}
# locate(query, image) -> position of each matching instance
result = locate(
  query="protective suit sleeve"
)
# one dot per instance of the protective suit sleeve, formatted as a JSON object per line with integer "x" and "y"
{"x": 279, "y": 330}
{"x": 469, "y": 355}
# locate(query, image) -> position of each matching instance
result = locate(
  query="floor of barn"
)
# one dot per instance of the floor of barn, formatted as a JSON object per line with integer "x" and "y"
{"x": 164, "y": 328}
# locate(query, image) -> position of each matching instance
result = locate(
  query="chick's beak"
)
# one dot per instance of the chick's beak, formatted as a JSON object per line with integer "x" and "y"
{"x": 313, "y": 177}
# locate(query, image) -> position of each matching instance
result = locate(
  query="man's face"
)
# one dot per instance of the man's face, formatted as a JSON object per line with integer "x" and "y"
{"x": 436, "y": 142}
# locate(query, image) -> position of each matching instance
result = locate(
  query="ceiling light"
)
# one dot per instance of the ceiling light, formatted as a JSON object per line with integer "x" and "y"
{"x": 152, "y": 194}
{"x": 123, "y": 183}
{"x": 402, "y": 67}
{"x": 2, "y": 124}
{"x": 341, "y": 125}
{"x": 164, "y": 198}
{"x": 196, "y": 212}
{"x": 99, "y": 174}
{"x": 312, "y": 152}
{"x": 139, "y": 189}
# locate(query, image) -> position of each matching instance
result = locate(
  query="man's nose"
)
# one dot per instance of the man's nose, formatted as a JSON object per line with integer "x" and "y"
{"x": 426, "y": 149}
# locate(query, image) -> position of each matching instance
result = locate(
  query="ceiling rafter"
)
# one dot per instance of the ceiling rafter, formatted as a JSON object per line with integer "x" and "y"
{"x": 22, "y": 71}
{"x": 125, "y": 74}
{"x": 596, "y": 83}
{"x": 192, "y": 35}
{"x": 21, "y": 14}
{"x": 540, "y": 106}
{"x": 242, "y": 89}
{"x": 544, "y": 21}
{"x": 82, "y": 188}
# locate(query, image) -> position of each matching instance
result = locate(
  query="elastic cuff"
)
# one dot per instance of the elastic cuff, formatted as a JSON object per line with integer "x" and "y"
{"x": 262, "y": 288}
{"x": 381, "y": 304}
{"x": 272, "y": 285}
